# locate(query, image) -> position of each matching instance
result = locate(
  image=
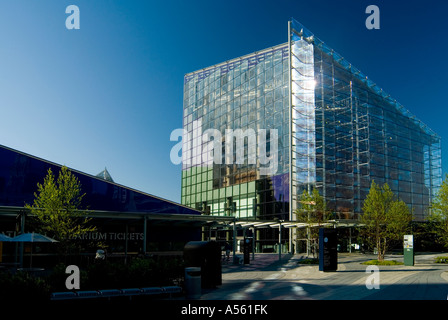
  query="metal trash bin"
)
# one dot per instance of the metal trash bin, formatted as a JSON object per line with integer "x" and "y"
{"x": 207, "y": 256}
{"x": 193, "y": 282}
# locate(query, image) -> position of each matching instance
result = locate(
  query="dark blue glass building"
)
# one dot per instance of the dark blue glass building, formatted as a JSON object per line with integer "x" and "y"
{"x": 126, "y": 219}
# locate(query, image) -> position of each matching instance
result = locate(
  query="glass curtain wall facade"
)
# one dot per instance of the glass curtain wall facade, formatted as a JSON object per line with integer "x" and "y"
{"x": 334, "y": 130}
{"x": 361, "y": 133}
{"x": 250, "y": 93}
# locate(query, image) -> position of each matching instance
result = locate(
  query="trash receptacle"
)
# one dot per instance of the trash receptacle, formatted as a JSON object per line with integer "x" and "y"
{"x": 193, "y": 282}
{"x": 207, "y": 256}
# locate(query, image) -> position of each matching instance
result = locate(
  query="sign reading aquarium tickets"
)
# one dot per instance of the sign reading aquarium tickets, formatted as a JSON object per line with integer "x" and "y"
{"x": 408, "y": 250}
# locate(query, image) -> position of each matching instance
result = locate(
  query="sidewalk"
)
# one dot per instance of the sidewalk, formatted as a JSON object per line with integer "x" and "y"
{"x": 267, "y": 278}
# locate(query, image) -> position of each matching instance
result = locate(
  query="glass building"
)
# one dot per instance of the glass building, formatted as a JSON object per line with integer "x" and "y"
{"x": 321, "y": 121}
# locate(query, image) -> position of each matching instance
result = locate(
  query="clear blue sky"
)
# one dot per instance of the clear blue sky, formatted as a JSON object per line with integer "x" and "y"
{"x": 109, "y": 94}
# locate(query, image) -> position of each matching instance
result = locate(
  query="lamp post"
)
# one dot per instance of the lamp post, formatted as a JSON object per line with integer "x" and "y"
{"x": 280, "y": 239}
{"x": 235, "y": 260}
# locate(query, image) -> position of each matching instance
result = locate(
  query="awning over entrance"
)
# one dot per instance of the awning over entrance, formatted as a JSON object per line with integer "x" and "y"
{"x": 194, "y": 220}
{"x": 187, "y": 221}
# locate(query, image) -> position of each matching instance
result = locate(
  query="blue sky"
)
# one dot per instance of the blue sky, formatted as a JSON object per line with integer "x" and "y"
{"x": 110, "y": 93}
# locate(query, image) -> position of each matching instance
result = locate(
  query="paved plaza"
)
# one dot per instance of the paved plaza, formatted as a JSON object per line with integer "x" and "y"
{"x": 268, "y": 278}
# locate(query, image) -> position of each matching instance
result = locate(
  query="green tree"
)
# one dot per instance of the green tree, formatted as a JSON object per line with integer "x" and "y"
{"x": 312, "y": 211}
{"x": 385, "y": 218}
{"x": 57, "y": 209}
{"x": 438, "y": 216}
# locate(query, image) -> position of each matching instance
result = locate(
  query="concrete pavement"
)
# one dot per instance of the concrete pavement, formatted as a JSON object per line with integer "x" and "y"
{"x": 267, "y": 278}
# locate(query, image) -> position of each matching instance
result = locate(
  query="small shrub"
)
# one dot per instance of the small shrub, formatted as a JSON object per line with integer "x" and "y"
{"x": 382, "y": 263}
{"x": 106, "y": 275}
{"x": 442, "y": 259}
{"x": 23, "y": 287}
{"x": 309, "y": 261}
{"x": 147, "y": 272}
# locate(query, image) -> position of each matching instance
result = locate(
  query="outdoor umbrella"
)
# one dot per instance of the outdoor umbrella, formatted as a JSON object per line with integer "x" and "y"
{"x": 32, "y": 237}
{"x": 4, "y": 238}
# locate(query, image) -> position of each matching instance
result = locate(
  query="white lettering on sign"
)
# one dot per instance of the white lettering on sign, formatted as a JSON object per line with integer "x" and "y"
{"x": 103, "y": 236}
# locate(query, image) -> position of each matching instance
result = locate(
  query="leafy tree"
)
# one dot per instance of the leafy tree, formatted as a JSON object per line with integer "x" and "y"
{"x": 57, "y": 208}
{"x": 312, "y": 211}
{"x": 385, "y": 217}
{"x": 438, "y": 217}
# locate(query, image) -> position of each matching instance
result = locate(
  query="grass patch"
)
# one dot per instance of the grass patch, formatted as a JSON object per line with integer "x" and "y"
{"x": 382, "y": 263}
{"x": 309, "y": 261}
{"x": 442, "y": 259}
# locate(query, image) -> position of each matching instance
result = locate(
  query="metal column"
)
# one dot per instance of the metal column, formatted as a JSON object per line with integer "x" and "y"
{"x": 145, "y": 224}
{"x": 280, "y": 241}
{"x": 234, "y": 243}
